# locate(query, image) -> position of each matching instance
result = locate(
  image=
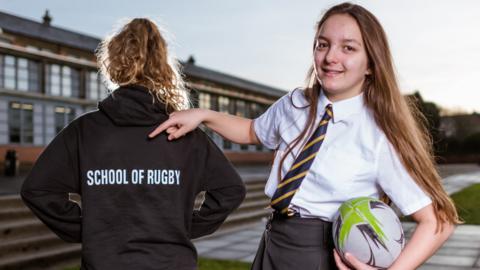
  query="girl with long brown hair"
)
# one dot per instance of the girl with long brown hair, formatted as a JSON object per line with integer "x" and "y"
{"x": 368, "y": 140}
{"x": 137, "y": 194}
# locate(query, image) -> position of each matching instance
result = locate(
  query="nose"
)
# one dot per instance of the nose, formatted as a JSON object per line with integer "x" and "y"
{"x": 332, "y": 55}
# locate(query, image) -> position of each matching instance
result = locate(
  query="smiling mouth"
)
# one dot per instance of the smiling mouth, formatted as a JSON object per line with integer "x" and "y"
{"x": 331, "y": 72}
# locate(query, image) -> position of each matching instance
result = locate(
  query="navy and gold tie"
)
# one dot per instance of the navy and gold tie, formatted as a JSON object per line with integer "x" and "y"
{"x": 294, "y": 177}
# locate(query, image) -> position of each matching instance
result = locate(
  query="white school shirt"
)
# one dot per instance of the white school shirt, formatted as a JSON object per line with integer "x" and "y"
{"x": 356, "y": 159}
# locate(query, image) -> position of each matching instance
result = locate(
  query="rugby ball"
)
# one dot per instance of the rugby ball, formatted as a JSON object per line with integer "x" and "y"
{"x": 368, "y": 229}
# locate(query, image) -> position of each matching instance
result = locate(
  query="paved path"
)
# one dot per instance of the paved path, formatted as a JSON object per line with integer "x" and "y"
{"x": 456, "y": 183}
{"x": 461, "y": 251}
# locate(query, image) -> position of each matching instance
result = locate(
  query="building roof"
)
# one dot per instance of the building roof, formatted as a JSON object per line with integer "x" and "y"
{"x": 26, "y": 27}
{"x": 29, "y": 28}
{"x": 225, "y": 79}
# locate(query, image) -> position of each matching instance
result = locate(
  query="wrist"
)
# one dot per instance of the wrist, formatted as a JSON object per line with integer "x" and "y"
{"x": 205, "y": 115}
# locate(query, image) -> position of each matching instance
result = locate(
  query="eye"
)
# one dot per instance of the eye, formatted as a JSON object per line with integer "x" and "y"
{"x": 348, "y": 48}
{"x": 321, "y": 45}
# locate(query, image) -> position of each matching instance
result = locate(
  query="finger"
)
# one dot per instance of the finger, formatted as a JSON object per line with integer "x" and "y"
{"x": 171, "y": 129}
{"x": 179, "y": 133}
{"x": 161, "y": 128}
{"x": 339, "y": 261}
{"x": 356, "y": 263}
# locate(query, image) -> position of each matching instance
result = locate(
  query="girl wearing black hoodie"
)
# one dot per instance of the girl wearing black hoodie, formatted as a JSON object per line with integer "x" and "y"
{"x": 137, "y": 194}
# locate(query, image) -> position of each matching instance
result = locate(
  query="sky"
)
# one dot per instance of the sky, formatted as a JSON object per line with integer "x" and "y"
{"x": 435, "y": 44}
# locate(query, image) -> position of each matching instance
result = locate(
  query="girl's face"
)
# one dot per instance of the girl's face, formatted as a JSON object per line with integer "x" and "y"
{"x": 340, "y": 58}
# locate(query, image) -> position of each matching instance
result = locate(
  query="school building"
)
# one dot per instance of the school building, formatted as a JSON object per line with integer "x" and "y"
{"x": 48, "y": 77}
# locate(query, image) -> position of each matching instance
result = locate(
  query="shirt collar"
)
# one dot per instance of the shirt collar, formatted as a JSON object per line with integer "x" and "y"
{"x": 341, "y": 109}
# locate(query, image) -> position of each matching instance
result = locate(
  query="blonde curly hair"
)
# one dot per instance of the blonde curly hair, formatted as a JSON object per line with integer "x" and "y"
{"x": 137, "y": 54}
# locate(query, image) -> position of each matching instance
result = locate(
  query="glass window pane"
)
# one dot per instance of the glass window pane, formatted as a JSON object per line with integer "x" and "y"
{"x": 204, "y": 101}
{"x": 59, "y": 118}
{"x": 9, "y": 72}
{"x": 22, "y": 63}
{"x": 14, "y": 122}
{"x": 54, "y": 80}
{"x": 75, "y": 77}
{"x": 92, "y": 86}
{"x": 214, "y": 102}
{"x": 9, "y": 60}
{"x": 66, "y": 81}
{"x": 70, "y": 115}
{"x": 33, "y": 76}
{"x": 223, "y": 103}
{"x": 22, "y": 74}
{"x": 27, "y": 129}
{"x": 240, "y": 108}
{"x": 1, "y": 70}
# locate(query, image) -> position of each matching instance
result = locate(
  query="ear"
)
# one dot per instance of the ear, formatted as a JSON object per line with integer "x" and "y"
{"x": 368, "y": 72}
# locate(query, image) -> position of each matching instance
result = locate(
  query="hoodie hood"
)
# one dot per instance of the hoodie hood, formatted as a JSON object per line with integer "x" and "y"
{"x": 133, "y": 105}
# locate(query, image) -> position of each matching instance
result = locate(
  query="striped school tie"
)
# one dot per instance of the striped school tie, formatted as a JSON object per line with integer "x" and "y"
{"x": 294, "y": 177}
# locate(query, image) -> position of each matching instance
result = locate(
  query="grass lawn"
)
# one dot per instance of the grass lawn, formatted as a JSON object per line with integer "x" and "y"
{"x": 468, "y": 205}
{"x": 210, "y": 264}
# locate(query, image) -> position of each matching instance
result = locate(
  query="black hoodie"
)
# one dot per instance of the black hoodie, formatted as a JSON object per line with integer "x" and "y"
{"x": 137, "y": 193}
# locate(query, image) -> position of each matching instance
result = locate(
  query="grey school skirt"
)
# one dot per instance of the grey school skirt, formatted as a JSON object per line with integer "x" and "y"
{"x": 295, "y": 243}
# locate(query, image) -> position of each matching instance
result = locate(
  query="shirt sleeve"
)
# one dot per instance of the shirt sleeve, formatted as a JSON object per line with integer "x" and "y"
{"x": 267, "y": 125}
{"x": 396, "y": 182}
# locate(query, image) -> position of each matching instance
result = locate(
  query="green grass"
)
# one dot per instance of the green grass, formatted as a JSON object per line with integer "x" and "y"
{"x": 210, "y": 264}
{"x": 468, "y": 205}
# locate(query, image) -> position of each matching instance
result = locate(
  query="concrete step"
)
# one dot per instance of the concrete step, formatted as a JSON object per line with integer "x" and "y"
{"x": 21, "y": 228}
{"x": 11, "y": 201}
{"x": 255, "y": 195}
{"x": 43, "y": 259}
{"x": 11, "y": 213}
{"x": 260, "y": 186}
{"x": 246, "y": 217}
{"x": 35, "y": 243}
{"x": 253, "y": 205}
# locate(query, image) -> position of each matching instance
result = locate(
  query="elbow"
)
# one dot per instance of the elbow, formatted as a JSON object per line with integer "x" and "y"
{"x": 448, "y": 229}
{"x": 241, "y": 194}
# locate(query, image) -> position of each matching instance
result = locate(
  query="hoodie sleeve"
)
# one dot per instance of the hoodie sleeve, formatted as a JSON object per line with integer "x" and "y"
{"x": 47, "y": 187}
{"x": 224, "y": 192}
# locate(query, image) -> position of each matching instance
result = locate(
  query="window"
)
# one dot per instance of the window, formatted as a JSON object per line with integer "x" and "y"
{"x": 214, "y": 102}
{"x": 1, "y": 70}
{"x": 33, "y": 76}
{"x": 63, "y": 81}
{"x": 224, "y": 106}
{"x": 67, "y": 81}
{"x": 9, "y": 72}
{"x": 92, "y": 85}
{"x": 22, "y": 74}
{"x": 254, "y": 112}
{"x": 240, "y": 110}
{"x": 20, "y": 122}
{"x": 223, "y": 103}
{"x": 19, "y": 73}
{"x": 53, "y": 80}
{"x": 95, "y": 87}
{"x": 204, "y": 101}
{"x": 63, "y": 116}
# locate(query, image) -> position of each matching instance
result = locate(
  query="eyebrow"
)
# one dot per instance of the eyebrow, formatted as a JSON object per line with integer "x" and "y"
{"x": 347, "y": 40}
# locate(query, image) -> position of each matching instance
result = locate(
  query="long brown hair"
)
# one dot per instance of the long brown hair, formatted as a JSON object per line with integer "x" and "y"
{"x": 400, "y": 120}
{"x": 137, "y": 54}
